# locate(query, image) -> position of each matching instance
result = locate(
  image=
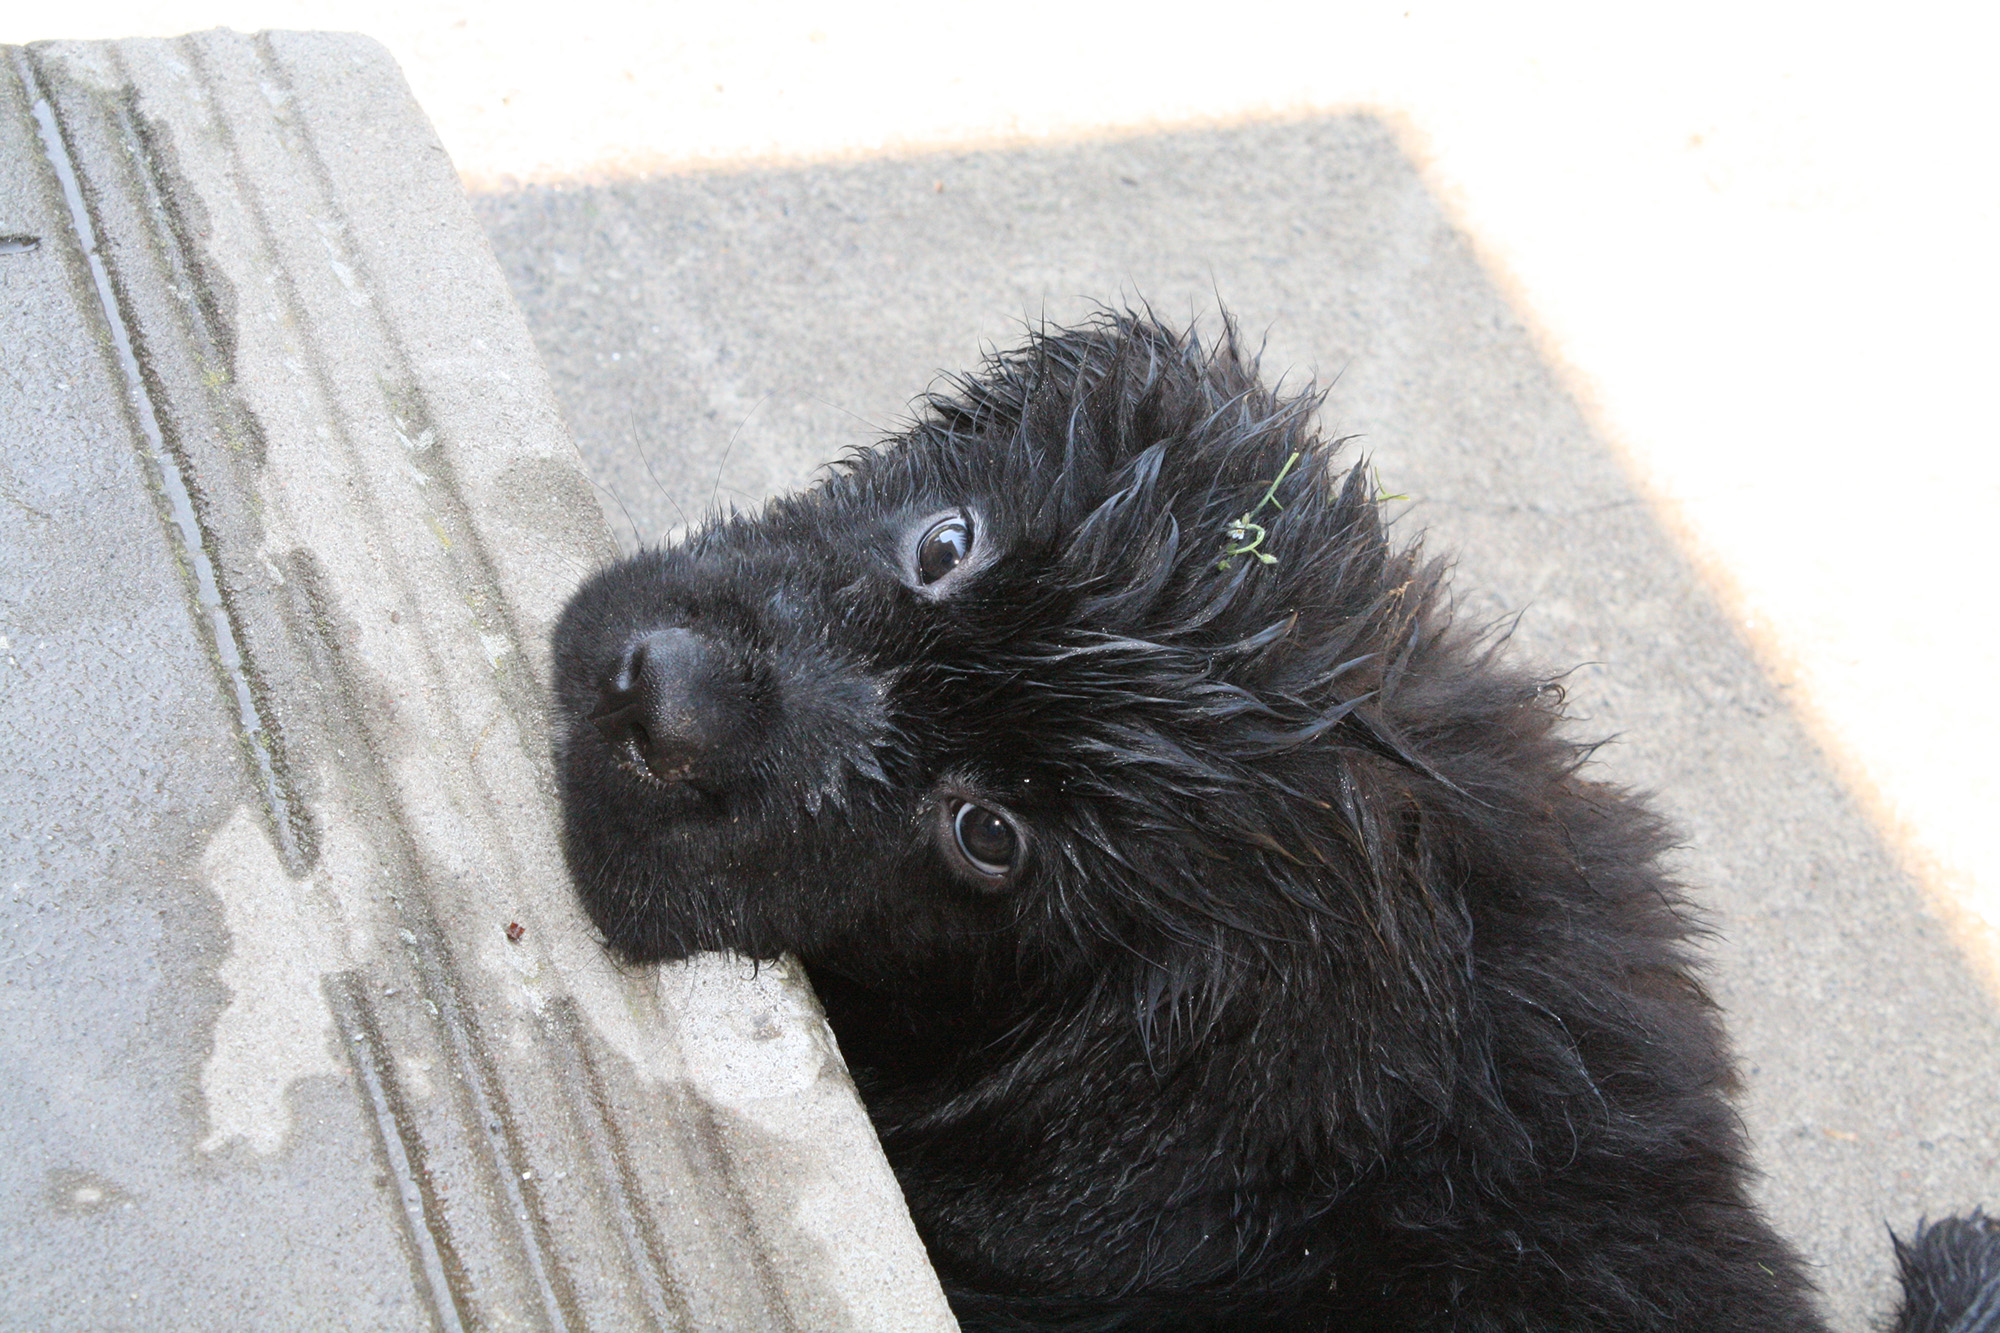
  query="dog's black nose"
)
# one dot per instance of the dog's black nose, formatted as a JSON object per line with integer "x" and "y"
{"x": 670, "y": 703}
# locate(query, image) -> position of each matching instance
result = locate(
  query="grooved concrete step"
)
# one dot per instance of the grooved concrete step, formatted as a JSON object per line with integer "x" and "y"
{"x": 299, "y": 1026}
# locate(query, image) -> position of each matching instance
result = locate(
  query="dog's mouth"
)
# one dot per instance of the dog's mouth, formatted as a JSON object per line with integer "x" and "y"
{"x": 656, "y": 773}
{"x": 631, "y": 756}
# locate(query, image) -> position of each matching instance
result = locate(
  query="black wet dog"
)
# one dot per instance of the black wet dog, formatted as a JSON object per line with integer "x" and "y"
{"x": 1219, "y": 936}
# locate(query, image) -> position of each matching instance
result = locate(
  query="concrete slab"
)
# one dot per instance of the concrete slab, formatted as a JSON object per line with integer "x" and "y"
{"x": 714, "y": 336}
{"x": 301, "y": 1027}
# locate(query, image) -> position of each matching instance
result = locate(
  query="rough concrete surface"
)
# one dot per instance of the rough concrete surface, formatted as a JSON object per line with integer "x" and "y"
{"x": 299, "y": 1023}
{"x": 714, "y": 337}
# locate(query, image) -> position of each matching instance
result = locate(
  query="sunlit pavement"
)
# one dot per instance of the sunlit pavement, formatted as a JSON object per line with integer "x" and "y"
{"x": 1730, "y": 440}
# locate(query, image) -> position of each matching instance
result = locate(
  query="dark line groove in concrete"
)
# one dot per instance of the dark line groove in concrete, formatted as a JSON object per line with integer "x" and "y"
{"x": 186, "y": 525}
{"x": 495, "y": 1124}
{"x": 606, "y": 1144}
{"x": 435, "y": 1259}
{"x": 523, "y": 697}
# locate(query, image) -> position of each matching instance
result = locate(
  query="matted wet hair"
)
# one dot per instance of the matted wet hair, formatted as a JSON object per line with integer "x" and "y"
{"x": 1220, "y": 935}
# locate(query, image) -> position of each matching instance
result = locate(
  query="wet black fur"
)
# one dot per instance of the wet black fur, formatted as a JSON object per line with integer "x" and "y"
{"x": 1335, "y": 992}
{"x": 1951, "y": 1277}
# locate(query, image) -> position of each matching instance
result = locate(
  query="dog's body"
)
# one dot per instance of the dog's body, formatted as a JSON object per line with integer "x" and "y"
{"x": 1219, "y": 937}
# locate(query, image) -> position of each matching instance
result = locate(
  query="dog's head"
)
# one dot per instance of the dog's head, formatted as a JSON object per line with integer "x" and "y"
{"x": 1106, "y": 658}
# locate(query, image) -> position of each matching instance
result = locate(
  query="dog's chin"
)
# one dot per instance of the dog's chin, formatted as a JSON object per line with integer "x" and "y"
{"x": 658, "y": 935}
{"x": 645, "y": 952}
{"x": 658, "y": 885}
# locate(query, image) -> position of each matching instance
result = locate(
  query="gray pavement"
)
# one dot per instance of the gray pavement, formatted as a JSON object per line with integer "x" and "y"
{"x": 713, "y": 338}
{"x": 300, "y": 1023}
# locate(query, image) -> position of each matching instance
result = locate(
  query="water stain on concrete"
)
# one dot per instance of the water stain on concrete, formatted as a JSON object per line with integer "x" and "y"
{"x": 72, "y": 1192}
{"x": 276, "y": 1028}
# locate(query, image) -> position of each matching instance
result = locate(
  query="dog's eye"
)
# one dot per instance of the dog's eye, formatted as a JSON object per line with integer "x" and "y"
{"x": 984, "y": 841}
{"x": 942, "y": 549}
{"x": 987, "y": 840}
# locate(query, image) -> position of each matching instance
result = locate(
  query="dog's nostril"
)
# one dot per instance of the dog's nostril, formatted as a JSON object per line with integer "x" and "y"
{"x": 670, "y": 702}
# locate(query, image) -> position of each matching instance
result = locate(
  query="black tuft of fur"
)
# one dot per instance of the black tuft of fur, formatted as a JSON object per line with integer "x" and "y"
{"x": 1951, "y": 1276}
{"x": 1296, "y": 974}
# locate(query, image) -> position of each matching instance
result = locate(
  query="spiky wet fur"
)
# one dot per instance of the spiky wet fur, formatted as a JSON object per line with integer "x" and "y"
{"x": 1951, "y": 1276}
{"x": 1335, "y": 994}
